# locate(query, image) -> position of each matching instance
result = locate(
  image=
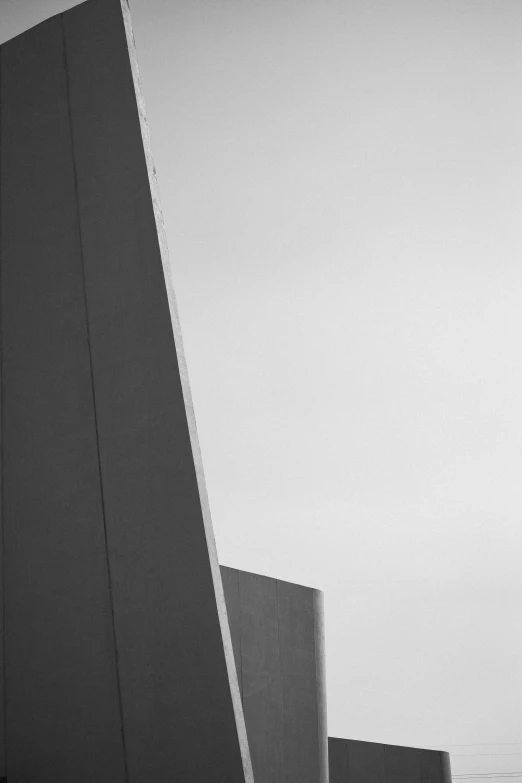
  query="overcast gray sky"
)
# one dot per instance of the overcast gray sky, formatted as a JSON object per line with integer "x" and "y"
{"x": 342, "y": 188}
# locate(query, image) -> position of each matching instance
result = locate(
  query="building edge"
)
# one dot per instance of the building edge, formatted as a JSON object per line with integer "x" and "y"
{"x": 189, "y": 407}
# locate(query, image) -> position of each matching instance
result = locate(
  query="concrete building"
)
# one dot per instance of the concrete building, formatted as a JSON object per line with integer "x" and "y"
{"x": 352, "y": 761}
{"x": 277, "y": 634}
{"x": 278, "y": 639}
{"x": 118, "y": 661}
{"x": 115, "y": 627}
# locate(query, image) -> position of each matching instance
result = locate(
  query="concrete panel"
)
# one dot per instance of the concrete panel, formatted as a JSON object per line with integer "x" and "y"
{"x": 118, "y": 653}
{"x": 338, "y": 760}
{"x": 283, "y": 679}
{"x": 366, "y": 763}
{"x": 169, "y": 641}
{"x": 61, "y": 694}
{"x": 261, "y": 676}
{"x": 369, "y": 762}
{"x": 403, "y": 765}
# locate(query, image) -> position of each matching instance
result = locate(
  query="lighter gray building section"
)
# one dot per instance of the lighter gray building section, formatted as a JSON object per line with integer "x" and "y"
{"x": 353, "y": 761}
{"x": 277, "y": 634}
{"x": 115, "y": 632}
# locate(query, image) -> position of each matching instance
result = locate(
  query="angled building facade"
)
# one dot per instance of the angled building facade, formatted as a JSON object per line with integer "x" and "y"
{"x": 115, "y": 630}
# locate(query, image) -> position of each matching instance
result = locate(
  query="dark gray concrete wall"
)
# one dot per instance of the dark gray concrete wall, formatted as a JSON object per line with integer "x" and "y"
{"x": 277, "y": 636}
{"x": 59, "y": 645}
{"x": 353, "y": 761}
{"x": 115, "y": 651}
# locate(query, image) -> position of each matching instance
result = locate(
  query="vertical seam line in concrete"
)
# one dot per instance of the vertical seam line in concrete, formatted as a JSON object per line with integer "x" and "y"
{"x": 4, "y": 698}
{"x": 240, "y": 673}
{"x": 93, "y": 392}
{"x": 281, "y": 685}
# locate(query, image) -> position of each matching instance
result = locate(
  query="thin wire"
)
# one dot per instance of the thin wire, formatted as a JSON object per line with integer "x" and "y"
{"x": 472, "y": 755}
{"x": 472, "y": 745}
{"x": 489, "y": 775}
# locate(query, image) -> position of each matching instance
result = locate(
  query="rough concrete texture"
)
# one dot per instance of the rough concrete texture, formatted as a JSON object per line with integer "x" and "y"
{"x": 115, "y": 627}
{"x": 276, "y": 630}
{"x": 353, "y": 761}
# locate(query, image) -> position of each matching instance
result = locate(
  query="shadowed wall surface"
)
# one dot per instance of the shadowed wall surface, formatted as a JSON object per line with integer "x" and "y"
{"x": 353, "y": 761}
{"x": 277, "y": 635}
{"x": 115, "y": 630}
